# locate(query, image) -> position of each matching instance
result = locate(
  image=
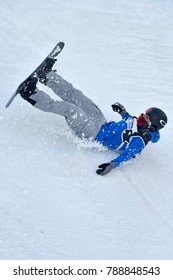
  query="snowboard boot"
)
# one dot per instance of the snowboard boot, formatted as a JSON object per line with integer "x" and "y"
{"x": 44, "y": 69}
{"x": 29, "y": 89}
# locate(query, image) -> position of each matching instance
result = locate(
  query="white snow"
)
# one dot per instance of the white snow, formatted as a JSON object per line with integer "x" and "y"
{"x": 52, "y": 203}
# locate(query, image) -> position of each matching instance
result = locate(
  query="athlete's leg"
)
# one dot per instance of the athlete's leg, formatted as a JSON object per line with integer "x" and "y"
{"x": 67, "y": 92}
{"x": 76, "y": 119}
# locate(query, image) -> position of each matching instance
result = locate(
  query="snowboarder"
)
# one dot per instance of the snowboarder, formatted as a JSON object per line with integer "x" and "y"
{"x": 130, "y": 135}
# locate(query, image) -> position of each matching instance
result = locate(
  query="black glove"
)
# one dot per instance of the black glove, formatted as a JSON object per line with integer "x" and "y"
{"x": 105, "y": 168}
{"x": 117, "y": 107}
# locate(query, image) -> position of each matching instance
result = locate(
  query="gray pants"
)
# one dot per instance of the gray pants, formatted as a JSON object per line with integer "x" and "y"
{"x": 80, "y": 113}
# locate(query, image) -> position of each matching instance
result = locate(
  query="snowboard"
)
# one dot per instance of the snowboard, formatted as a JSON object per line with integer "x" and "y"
{"x": 55, "y": 52}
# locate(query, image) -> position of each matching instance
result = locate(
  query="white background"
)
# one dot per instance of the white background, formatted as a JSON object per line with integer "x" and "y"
{"x": 86, "y": 269}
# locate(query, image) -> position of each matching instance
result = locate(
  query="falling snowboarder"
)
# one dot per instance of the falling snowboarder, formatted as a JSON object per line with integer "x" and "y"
{"x": 130, "y": 135}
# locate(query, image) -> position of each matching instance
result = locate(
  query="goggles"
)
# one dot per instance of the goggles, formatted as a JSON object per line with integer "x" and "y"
{"x": 144, "y": 121}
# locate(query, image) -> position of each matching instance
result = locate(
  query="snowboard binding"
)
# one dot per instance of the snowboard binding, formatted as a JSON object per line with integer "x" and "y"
{"x": 44, "y": 69}
{"x": 28, "y": 89}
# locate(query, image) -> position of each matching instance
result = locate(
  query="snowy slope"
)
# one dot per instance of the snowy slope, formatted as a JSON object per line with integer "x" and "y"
{"x": 52, "y": 203}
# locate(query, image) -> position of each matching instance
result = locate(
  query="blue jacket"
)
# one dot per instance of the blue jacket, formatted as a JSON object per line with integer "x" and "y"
{"x": 127, "y": 137}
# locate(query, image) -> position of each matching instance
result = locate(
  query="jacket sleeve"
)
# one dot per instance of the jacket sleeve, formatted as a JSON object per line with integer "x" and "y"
{"x": 155, "y": 136}
{"x": 125, "y": 116}
{"x": 135, "y": 147}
